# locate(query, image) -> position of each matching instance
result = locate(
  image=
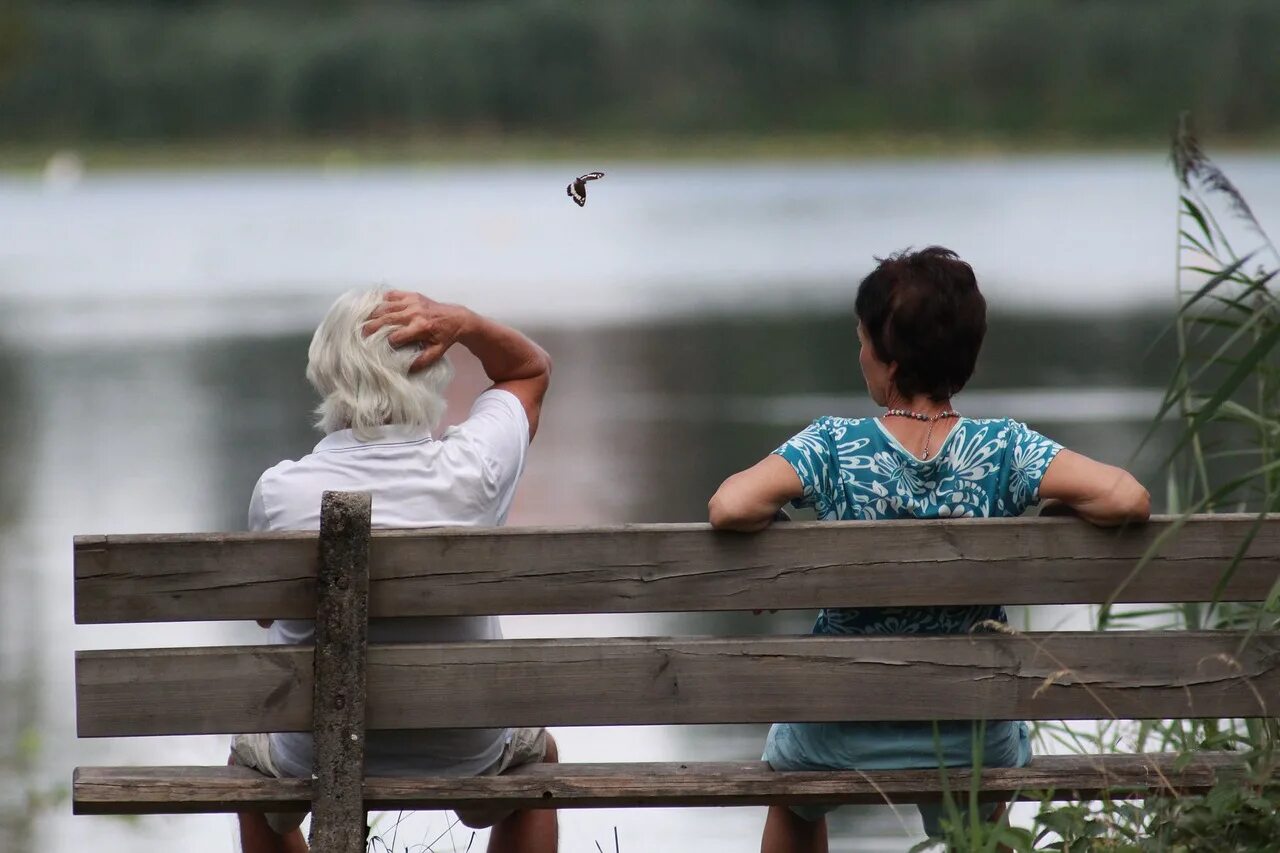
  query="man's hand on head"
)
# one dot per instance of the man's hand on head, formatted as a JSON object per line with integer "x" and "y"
{"x": 434, "y": 326}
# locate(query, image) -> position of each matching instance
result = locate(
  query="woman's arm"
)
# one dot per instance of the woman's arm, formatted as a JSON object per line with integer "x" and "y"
{"x": 749, "y": 500}
{"x": 511, "y": 361}
{"x": 1102, "y": 494}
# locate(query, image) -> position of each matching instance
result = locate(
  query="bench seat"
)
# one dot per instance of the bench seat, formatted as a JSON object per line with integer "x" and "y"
{"x": 167, "y": 790}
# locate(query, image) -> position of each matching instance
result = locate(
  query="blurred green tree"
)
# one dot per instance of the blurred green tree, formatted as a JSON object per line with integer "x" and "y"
{"x": 1012, "y": 69}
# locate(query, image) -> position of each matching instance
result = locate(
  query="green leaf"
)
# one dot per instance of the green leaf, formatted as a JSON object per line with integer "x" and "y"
{"x": 1260, "y": 349}
{"x": 1225, "y": 274}
{"x": 1272, "y": 604}
{"x": 1194, "y": 212}
{"x": 1176, "y": 527}
{"x": 1014, "y": 837}
{"x": 1195, "y": 243}
{"x": 1236, "y": 559}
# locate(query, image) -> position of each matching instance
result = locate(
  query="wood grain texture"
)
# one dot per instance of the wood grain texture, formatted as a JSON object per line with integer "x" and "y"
{"x": 338, "y": 699}
{"x": 1084, "y": 675}
{"x": 676, "y": 567}
{"x": 158, "y": 790}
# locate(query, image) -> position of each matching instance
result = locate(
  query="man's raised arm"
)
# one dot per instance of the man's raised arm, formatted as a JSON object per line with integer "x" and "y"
{"x": 511, "y": 361}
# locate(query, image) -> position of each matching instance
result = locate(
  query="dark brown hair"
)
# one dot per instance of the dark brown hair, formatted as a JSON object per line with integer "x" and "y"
{"x": 923, "y": 310}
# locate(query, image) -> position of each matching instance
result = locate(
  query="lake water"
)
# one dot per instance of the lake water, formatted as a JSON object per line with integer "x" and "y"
{"x": 152, "y": 341}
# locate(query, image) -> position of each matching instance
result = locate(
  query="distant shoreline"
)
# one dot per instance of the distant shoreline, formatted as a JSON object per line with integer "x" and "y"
{"x": 354, "y": 153}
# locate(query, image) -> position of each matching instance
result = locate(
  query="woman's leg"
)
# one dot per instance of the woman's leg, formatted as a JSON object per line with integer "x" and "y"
{"x": 932, "y": 815}
{"x": 996, "y": 817}
{"x": 787, "y": 832}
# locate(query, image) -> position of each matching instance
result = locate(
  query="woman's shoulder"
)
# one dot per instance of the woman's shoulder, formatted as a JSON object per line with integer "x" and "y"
{"x": 842, "y": 429}
{"x": 835, "y": 422}
{"x": 1000, "y": 423}
{"x": 1003, "y": 429}
{"x": 1009, "y": 438}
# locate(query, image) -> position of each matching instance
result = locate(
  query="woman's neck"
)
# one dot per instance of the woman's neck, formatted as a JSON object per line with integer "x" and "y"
{"x": 927, "y": 430}
{"x": 920, "y": 404}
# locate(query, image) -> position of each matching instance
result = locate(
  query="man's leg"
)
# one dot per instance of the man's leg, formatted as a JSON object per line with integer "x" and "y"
{"x": 787, "y": 832}
{"x": 257, "y": 836}
{"x": 529, "y": 830}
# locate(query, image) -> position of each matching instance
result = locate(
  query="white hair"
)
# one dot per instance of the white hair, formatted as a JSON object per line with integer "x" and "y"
{"x": 365, "y": 382}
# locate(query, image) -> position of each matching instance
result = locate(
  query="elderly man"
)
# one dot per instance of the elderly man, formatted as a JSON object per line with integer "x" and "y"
{"x": 378, "y": 362}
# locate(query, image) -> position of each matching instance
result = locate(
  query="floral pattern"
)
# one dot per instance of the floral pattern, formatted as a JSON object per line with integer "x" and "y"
{"x": 853, "y": 469}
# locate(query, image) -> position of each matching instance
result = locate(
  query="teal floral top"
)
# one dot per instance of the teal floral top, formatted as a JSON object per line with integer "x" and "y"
{"x": 853, "y": 468}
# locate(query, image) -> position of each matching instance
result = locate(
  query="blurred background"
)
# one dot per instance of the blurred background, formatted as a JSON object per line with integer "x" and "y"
{"x": 185, "y": 186}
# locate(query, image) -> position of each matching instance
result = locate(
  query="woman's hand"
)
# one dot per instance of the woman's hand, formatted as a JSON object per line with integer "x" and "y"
{"x": 434, "y": 326}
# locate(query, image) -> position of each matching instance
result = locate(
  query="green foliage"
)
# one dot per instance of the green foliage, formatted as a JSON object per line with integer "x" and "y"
{"x": 120, "y": 71}
{"x": 1224, "y": 388}
{"x": 13, "y": 38}
{"x": 1224, "y": 396}
{"x": 1231, "y": 818}
{"x": 1235, "y": 816}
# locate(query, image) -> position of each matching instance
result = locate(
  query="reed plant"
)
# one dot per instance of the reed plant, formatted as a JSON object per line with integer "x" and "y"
{"x": 1221, "y": 418}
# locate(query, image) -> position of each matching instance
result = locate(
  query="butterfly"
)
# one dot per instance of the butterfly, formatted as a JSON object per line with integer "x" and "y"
{"x": 578, "y": 189}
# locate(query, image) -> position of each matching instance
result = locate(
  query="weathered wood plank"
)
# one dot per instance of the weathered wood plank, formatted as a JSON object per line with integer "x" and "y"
{"x": 342, "y": 628}
{"x": 675, "y": 567}
{"x": 1085, "y": 675}
{"x": 161, "y": 790}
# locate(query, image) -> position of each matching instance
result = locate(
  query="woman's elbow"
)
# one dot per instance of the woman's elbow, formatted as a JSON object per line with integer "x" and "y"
{"x": 726, "y": 513}
{"x": 1130, "y": 502}
{"x": 1139, "y": 508}
{"x": 720, "y": 513}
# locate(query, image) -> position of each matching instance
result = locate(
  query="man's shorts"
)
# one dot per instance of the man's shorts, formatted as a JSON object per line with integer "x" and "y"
{"x": 524, "y": 746}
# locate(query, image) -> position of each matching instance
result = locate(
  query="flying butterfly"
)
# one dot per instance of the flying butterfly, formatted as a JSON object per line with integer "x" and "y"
{"x": 578, "y": 189}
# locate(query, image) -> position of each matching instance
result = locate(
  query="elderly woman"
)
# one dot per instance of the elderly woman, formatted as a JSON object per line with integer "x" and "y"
{"x": 377, "y": 362}
{"x": 921, "y": 324}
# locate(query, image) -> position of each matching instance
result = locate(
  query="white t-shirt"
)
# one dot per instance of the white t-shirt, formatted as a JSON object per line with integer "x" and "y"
{"x": 464, "y": 479}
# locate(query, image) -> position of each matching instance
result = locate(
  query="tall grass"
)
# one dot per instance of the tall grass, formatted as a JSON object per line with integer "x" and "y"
{"x": 1222, "y": 396}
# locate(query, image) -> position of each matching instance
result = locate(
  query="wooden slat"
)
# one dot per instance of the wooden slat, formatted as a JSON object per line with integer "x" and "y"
{"x": 1085, "y": 675}
{"x": 164, "y": 790}
{"x": 675, "y": 567}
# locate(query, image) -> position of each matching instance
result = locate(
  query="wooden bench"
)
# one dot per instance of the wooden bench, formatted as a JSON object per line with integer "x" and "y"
{"x": 668, "y": 680}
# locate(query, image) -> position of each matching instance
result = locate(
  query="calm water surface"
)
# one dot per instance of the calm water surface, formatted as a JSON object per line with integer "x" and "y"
{"x": 152, "y": 341}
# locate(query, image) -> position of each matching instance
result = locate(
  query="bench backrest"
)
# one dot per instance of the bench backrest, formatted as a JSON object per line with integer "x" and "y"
{"x": 688, "y": 567}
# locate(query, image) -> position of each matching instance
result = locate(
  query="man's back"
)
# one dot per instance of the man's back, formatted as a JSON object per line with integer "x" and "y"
{"x": 466, "y": 478}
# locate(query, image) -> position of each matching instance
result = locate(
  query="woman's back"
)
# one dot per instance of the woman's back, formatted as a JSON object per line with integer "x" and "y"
{"x": 856, "y": 469}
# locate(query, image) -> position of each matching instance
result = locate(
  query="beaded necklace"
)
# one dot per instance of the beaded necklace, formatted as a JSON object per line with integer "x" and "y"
{"x": 931, "y": 419}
